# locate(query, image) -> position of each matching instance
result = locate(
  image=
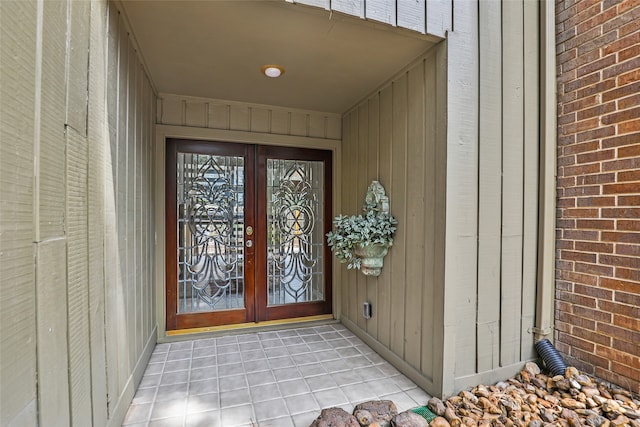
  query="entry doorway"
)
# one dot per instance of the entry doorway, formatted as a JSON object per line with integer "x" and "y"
{"x": 245, "y": 227}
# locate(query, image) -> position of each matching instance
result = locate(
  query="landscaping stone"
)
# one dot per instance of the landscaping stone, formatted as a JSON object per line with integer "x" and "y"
{"x": 335, "y": 417}
{"x": 530, "y": 399}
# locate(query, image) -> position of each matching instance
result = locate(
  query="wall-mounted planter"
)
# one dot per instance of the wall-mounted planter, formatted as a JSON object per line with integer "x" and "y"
{"x": 363, "y": 240}
{"x": 372, "y": 257}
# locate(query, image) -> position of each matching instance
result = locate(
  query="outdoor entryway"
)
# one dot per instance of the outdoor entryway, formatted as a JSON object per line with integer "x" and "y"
{"x": 245, "y": 233}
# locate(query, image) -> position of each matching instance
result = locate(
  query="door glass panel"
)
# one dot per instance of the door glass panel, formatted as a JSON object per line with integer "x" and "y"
{"x": 295, "y": 247}
{"x": 210, "y": 206}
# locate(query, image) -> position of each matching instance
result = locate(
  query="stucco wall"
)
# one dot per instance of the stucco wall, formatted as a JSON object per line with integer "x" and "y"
{"x": 598, "y": 232}
{"x": 76, "y": 256}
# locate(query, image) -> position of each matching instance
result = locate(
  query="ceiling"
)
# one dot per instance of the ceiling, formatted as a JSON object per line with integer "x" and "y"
{"x": 215, "y": 49}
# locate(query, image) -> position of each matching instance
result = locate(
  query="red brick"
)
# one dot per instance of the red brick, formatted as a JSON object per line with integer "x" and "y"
{"x": 613, "y": 236}
{"x": 630, "y": 298}
{"x": 619, "y": 285}
{"x": 602, "y": 178}
{"x": 622, "y": 20}
{"x": 621, "y": 116}
{"x": 583, "y": 147}
{"x": 599, "y": 133}
{"x": 564, "y": 286}
{"x": 620, "y": 189}
{"x": 592, "y": 190}
{"x": 596, "y": 111}
{"x": 596, "y": 156}
{"x": 622, "y": 43}
{"x": 620, "y": 68}
{"x": 580, "y": 213}
{"x": 598, "y": 19}
{"x": 564, "y": 244}
{"x": 631, "y": 52}
{"x": 621, "y": 140}
{"x": 621, "y": 212}
{"x": 617, "y": 332}
{"x": 628, "y": 225}
{"x": 619, "y": 261}
{"x": 618, "y": 356}
{"x": 593, "y": 291}
{"x": 598, "y": 270}
{"x": 596, "y": 65}
{"x": 627, "y": 5}
{"x": 590, "y": 313}
{"x": 577, "y": 321}
{"x": 582, "y": 82}
{"x": 596, "y": 201}
{"x": 585, "y": 235}
{"x": 578, "y": 256}
{"x": 628, "y": 151}
{"x": 566, "y": 203}
{"x": 598, "y": 42}
{"x": 614, "y": 378}
{"x": 573, "y": 276}
{"x": 594, "y": 247}
{"x": 629, "y": 101}
{"x": 620, "y": 309}
{"x": 630, "y": 77}
{"x": 595, "y": 224}
{"x": 626, "y": 371}
{"x": 630, "y": 126}
{"x": 582, "y": 169}
{"x": 625, "y": 273}
{"x": 567, "y": 160}
{"x": 629, "y": 250}
{"x": 630, "y": 27}
{"x": 629, "y": 176}
{"x": 629, "y": 200}
{"x": 588, "y": 357}
{"x": 576, "y": 342}
{"x": 621, "y": 92}
{"x": 592, "y": 336}
{"x": 596, "y": 88}
{"x": 617, "y": 165}
{"x": 626, "y": 322}
{"x": 624, "y": 346}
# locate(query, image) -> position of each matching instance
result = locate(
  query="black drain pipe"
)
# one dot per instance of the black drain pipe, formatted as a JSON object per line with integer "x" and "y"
{"x": 551, "y": 357}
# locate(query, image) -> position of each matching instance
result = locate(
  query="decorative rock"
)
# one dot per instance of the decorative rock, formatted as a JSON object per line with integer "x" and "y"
{"x": 572, "y": 404}
{"x": 436, "y": 406}
{"x": 620, "y": 420}
{"x": 410, "y": 419}
{"x": 612, "y": 406}
{"x": 547, "y": 416}
{"x": 335, "y": 417}
{"x": 532, "y": 368}
{"x": 633, "y": 414}
{"x": 376, "y": 413}
{"x": 571, "y": 372}
{"x": 535, "y": 423}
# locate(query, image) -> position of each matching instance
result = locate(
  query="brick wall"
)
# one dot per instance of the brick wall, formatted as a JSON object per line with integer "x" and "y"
{"x": 598, "y": 218}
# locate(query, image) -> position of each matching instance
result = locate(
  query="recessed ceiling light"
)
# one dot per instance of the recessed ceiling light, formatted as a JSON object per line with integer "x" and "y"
{"x": 272, "y": 70}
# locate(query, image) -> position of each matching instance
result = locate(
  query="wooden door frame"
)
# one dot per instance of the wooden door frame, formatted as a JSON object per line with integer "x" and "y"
{"x": 164, "y": 132}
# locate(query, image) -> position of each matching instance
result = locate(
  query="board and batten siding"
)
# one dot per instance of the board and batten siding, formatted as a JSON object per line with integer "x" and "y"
{"x": 77, "y": 323}
{"x": 397, "y": 136}
{"x": 432, "y": 17}
{"x": 206, "y": 113}
{"x": 455, "y": 303}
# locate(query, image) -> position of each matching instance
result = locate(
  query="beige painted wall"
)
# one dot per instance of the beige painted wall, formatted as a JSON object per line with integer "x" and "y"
{"x": 397, "y": 136}
{"x": 76, "y": 254}
{"x": 455, "y": 304}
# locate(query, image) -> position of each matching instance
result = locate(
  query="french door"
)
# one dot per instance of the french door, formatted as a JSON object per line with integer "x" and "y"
{"x": 245, "y": 227}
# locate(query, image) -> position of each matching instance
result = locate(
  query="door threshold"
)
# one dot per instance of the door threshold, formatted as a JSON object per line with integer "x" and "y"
{"x": 267, "y": 325}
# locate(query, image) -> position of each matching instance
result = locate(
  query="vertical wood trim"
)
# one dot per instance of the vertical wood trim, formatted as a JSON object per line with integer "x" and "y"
{"x": 345, "y": 285}
{"x": 415, "y": 214}
{"x": 411, "y": 15}
{"x": 383, "y": 312}
{"x": 398, "y": 194}
{"x": 362, "y": 181}
{"x": 431, "y": 246}
{"x": 512, "y": 184}
{"x": 490, "y": 186}
{"x": 461, "y": 197}
{"x": 373, "y": 156}
{"x": 531, "y": 144}
{"x": 438, "y": 17}
{"x": 350, "y": 206}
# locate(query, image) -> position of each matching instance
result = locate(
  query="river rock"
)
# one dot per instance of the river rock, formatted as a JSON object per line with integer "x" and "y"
{"x": 411, "y": 419}
{"x": 335, "y": 417}
{"x": 532, "y": 368}
{"x": 619, "y": 421}
{"x": 376, "y": 413}
{"x": 436, "y": 406}
{"x": 572, "y": 403}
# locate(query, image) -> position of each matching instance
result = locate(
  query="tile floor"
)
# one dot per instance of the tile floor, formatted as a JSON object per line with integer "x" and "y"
{"x": 266, "y": 379}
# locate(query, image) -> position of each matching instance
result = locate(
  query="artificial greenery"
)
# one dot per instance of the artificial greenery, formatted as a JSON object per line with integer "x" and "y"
{"x": 350, "y": 231}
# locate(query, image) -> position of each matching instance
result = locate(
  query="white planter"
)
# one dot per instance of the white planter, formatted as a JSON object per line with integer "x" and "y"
{"x": 372, "y": 258}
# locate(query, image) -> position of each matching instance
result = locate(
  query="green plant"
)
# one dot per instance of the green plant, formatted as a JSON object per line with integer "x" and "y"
{"x": 366, "y": 229}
